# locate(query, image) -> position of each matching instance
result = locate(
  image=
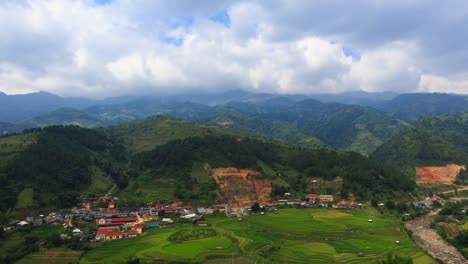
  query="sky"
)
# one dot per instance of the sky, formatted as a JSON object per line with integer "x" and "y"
{"x": 101, "y": 48}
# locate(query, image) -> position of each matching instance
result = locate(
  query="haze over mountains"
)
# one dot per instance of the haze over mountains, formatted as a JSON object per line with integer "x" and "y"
{"x": 357, "y": 121}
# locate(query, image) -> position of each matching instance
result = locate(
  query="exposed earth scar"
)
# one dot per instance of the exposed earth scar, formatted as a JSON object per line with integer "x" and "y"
{"x": 427, "y": 239}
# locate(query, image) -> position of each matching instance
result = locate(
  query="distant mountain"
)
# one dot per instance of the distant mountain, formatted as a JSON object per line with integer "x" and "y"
{"x": 435, "y": 140}
{"x": 410, "y": 107}
{"x": 236, "y": 122}
{"x": 16, "y": 107}
{"x": 344, "y": 126}
{"x": 9, "y": 128}
{"x": 280, "y": 118}
{"x": 355, "y": 97}
{"x": 63, "y": 116}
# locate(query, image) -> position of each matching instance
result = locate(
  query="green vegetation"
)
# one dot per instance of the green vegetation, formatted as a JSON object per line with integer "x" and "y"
{"x": 436, "y": 140}
{"x": 158, "y": 130}
{"x": 53, "y": 167}
{"x": 191, "y": 234}
{"x": 16, "y": 245}
{"x": 452, "y": 225}
{"x": 11, "y": 145}
{"x": 287, "y": 235}
{"x": 25, "y": 198}
{"x": 268, "y": 128}
{"x": 410, "y": 107}
{"x": 350, "y": 127}
{"x": 174, "y": 163}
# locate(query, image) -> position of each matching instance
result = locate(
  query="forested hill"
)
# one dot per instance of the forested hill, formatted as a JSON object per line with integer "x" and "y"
{"x": 157, "y": 130}
{"x": 350, "y": 127}
{"x": 53, "y": 163}
{"x": 51, "y": 166}
{"x": 435, "y": 140}
{"x": 361, "y": 175}
{"x": 410, "y": 107}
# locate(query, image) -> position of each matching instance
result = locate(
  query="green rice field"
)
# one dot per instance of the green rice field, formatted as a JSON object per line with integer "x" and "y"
{"x": 284, "y": 236}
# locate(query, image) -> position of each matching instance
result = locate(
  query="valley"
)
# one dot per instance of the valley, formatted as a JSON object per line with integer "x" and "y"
{"x": 255, "y": 182}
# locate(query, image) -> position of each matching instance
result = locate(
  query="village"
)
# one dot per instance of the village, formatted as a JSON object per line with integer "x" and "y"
{"x": 101, "y": 219}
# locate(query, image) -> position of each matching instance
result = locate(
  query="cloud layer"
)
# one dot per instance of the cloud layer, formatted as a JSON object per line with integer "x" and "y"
{"x": 108, "y": 48}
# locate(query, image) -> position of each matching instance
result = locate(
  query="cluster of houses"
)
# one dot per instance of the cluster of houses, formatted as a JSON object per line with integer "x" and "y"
{"x": 428, "y": 201}
{"x": 114, "y": 232}
{"x": 54, "y": 218}
{"x": 319, "y": 200}
{"x": 114, "y": 223}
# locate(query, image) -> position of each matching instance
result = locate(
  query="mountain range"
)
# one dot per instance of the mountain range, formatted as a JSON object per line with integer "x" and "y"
{"x": 356, "y": 121}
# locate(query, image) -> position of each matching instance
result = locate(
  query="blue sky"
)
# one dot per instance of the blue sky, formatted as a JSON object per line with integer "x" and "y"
{"x": 100, "y": 48}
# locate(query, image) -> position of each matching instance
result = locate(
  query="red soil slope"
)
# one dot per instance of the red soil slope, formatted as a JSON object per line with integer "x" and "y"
{"x": 438, "y": 175}
{"x": 240, "y": 187}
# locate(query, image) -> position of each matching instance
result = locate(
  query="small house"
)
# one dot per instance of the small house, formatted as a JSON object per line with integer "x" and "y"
{"x": 325, "y": 198}
{"x": 138, "y": 228}
{"x": 112, "y": 235}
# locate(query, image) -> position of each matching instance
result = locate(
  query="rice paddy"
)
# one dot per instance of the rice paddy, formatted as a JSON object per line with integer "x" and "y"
{"x": 284, "y": 236}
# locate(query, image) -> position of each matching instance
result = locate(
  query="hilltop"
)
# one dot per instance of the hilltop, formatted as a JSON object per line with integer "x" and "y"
{"x": 435, "y": 140}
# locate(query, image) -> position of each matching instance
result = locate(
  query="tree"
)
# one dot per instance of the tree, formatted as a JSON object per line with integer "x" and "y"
{"x": 391, "y": 259}
{"x": 255, "y": 207}
{"x": 390, "y": 204}
{"x": 134, "y": 261}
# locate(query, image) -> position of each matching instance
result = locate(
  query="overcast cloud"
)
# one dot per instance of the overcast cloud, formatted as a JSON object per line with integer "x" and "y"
{"x": 99, "y": 48}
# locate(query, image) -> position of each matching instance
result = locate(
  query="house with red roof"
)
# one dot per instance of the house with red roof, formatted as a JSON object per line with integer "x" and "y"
{"x": 113, "y": 235}
{"x": 115, "y": 221}
{"x": 101, "y": 233}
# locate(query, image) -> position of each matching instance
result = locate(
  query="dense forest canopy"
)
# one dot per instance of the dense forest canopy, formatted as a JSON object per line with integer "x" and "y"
{"x": 57, "y": 165}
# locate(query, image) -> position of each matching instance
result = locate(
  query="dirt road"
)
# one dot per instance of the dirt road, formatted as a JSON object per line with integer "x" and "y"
{"x": 429, "y": 240}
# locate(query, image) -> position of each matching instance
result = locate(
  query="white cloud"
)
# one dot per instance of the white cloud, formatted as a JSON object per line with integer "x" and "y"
{"x": 389, "y": 68}
{"x": 432, "y": 83}
{"x": 124, "y": 47}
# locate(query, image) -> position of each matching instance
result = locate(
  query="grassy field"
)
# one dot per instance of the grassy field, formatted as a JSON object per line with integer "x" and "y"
{"x": 25, "y": 198}
{"x": 11, "y": 145}
{"x": 53, "y": 256}
{"x": 284, "y": 236}
{"x": 99, "y": 181}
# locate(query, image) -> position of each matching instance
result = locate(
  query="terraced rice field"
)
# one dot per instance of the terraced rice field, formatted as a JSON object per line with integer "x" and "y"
{"x": 284, "y": 236}
{"x": 53, "y": 256}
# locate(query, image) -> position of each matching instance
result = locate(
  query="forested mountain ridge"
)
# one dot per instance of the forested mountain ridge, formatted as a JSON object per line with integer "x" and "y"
{"x": 410, "y": 107}
{"x": 175, "y": 160}
{"x": 290, "y": 119}
{"x": 434, "y": 140}
{"x": 64, "y": 160}
{"x": 350, "y": 127}
{"x": 55, "y": 163}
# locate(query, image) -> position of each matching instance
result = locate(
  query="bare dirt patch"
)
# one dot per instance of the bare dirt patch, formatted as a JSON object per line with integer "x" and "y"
{"x": 438, "y": 175}
{"x": 428, "y": 240}
{"x": 241, "y": 187}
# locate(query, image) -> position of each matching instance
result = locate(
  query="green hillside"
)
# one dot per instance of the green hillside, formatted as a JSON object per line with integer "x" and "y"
{"x": 63, "y": 116}
{"x": 351, "y": 127}
{"x": 172, "y": 166}
{"x": 410, "y": 107}
{"x": 234, "y": 121}
{"x": 53, "y": 164}
{"x": 163, "y": 157}
{"x": 157, "y": 130}
{"x": 435, "y": 140}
